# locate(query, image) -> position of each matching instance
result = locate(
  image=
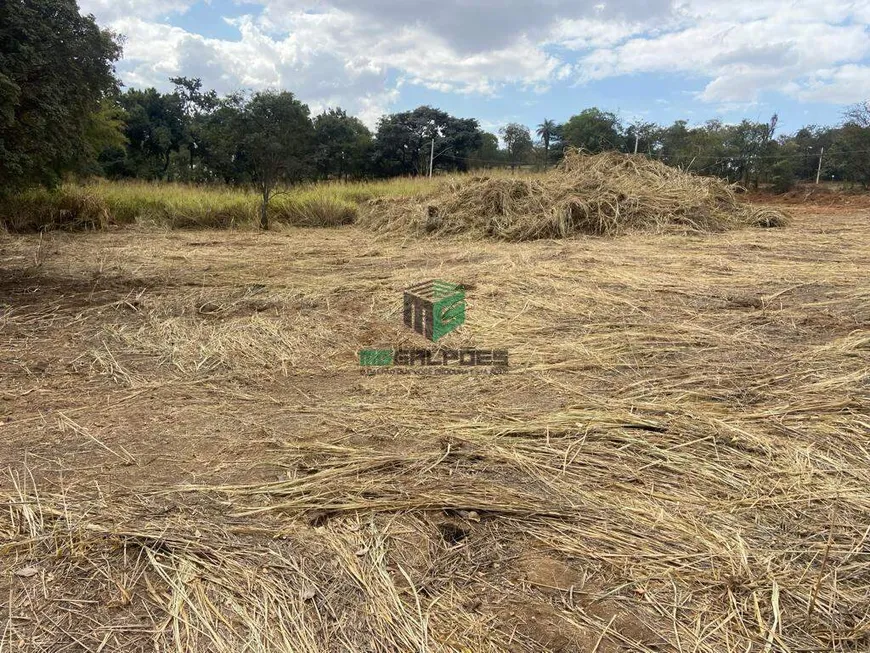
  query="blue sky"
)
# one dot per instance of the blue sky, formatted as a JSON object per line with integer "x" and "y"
{"x": 520, "y": 60}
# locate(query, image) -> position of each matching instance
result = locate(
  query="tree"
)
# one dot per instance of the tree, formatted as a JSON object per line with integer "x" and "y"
{"x": 56, "y": 67}
{"x": 222, "y": 134}
{"x": 745, "y": 144}
{"x": 849, "y": 145}
{"x": 593, "y": 130}
{"x": 547, "y": 132}
{"x": 782, "y": 171}
{"x": 403, "y": 142}
{"x": 195, "y": 104}
{"x": 156, "y": 127}
{"x": 643, "y": 137}
{"x": 699, "y": 149}
{"x": 848, "y": 154}
{"x": 104, "y": 133}
{"x": 808, "y": 142}
{"x": 517, "y": 141}
{"x": 459, "y": 138}
{"x": 277, "y": 143}
{"x": 342, "y": 144}
{"x": 858, "y": 114}
{"x": 488, "y": 154}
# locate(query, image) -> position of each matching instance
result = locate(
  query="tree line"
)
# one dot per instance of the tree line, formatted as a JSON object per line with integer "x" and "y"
{"x": 192, "y": 135}
{"x": 749, "y": 152}
{"x": 62, "y": 110}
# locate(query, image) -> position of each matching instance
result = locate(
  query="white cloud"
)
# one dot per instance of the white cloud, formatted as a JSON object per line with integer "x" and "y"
{"x": 359, "y": 53}
{"x": 112, "y": 10}
{"x": 472, "y": 27}
{"x": 844, "y": 85}
{"x": 745, "y": 48}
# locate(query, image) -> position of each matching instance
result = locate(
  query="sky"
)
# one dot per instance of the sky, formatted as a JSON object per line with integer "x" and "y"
{"x": 506, "y": 61}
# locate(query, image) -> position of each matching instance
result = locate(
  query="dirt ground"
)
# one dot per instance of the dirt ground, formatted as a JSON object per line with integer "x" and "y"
{"x": 677, "y": 459}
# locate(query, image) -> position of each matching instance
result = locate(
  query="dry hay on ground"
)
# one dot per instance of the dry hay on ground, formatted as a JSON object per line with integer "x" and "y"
{"x": 678, "y": 460}
{"x": 605, "y": 194}
{"x": 817, "y": 196}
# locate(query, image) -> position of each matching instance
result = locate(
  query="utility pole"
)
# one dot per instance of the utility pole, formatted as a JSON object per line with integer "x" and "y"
{"x": 432, "y": 157}
{"x": 819, "y": 171}
{"x": 636, "y": 139}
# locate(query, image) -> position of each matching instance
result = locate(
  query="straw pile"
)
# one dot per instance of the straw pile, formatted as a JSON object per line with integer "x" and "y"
{"x": 606, "y": 194}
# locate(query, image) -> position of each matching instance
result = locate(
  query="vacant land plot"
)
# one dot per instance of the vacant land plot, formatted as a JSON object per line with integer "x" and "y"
{"x": 678, "y": 459}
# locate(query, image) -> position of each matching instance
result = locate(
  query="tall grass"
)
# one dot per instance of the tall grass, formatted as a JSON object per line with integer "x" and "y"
{"x": 98, "y": 204}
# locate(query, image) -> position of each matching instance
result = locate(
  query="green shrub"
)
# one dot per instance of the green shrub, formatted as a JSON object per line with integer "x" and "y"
{"x": 783, "y": 176}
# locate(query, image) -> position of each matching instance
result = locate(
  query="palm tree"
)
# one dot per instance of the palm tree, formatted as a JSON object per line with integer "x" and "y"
{"x": 546, "y": 131}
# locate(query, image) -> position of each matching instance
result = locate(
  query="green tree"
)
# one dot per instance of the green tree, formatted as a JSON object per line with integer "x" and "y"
{"x": 343, "y": 144}
{"x": 746, "y": 146}
{"x": 643, "y": 138}
{"x": 518, "y": 142}
{"x": 195, "y": 105}
{"x": 593, "y": 130}
{"x": 488, "y": 154}
{"x": 56, "y": 68}
{"x": 848, "y": 158}
{"x": 782, "y": 170}
{"x": 459, "y": 138}
{"x": 277, "y": 141}
{"x": 697, "y": 149}
{"x": 156, "y": 128}
{"x": 808, "y": 143}
{"x": 222, "y": 135}
{"x": 104, "y": 133}
{"x": 547, "y": 132}
{"x": 403, "y": 142}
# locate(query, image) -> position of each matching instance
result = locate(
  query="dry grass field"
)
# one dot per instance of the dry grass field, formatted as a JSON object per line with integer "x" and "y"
{"x": 678, "y": 459}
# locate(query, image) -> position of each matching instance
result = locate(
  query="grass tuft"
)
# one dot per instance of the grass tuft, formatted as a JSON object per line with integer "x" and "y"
{"x": 180, "y": 206}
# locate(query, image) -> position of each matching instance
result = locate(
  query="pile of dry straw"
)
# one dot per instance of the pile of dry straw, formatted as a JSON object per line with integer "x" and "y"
{"x": 602, "y": 194}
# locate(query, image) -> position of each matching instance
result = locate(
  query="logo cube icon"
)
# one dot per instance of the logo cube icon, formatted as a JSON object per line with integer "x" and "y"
{"x": 434, "y": 308}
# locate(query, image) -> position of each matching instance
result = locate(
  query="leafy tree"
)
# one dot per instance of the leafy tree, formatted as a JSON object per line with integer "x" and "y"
{"x": 746, "y": 143}
{"x": 518, "y": 142}
{"x": 222, "y": 134}
{"x": 343, "y": 144}
{"x": 195, "y": 105}
{"x": 848, "y": 158}
{"x": 277, "y": 142}
{"x": 156, "y": 127}
{"x": 403, "y": 142}
{"x": 782, "y": 171}
{"x": 459, "y": 138}
{"x": 56, "y": 68}
{"x": 676, "y": 143}
{"x": 643, "y": 137}
{"x": 593, "y": 130}
{"x": 488, "y": 154}
{"x": 809, "y": 142}
{"x": 547, "y": 131}
{"x": 698, "y": 149}
{"x": 104, "y": 134}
